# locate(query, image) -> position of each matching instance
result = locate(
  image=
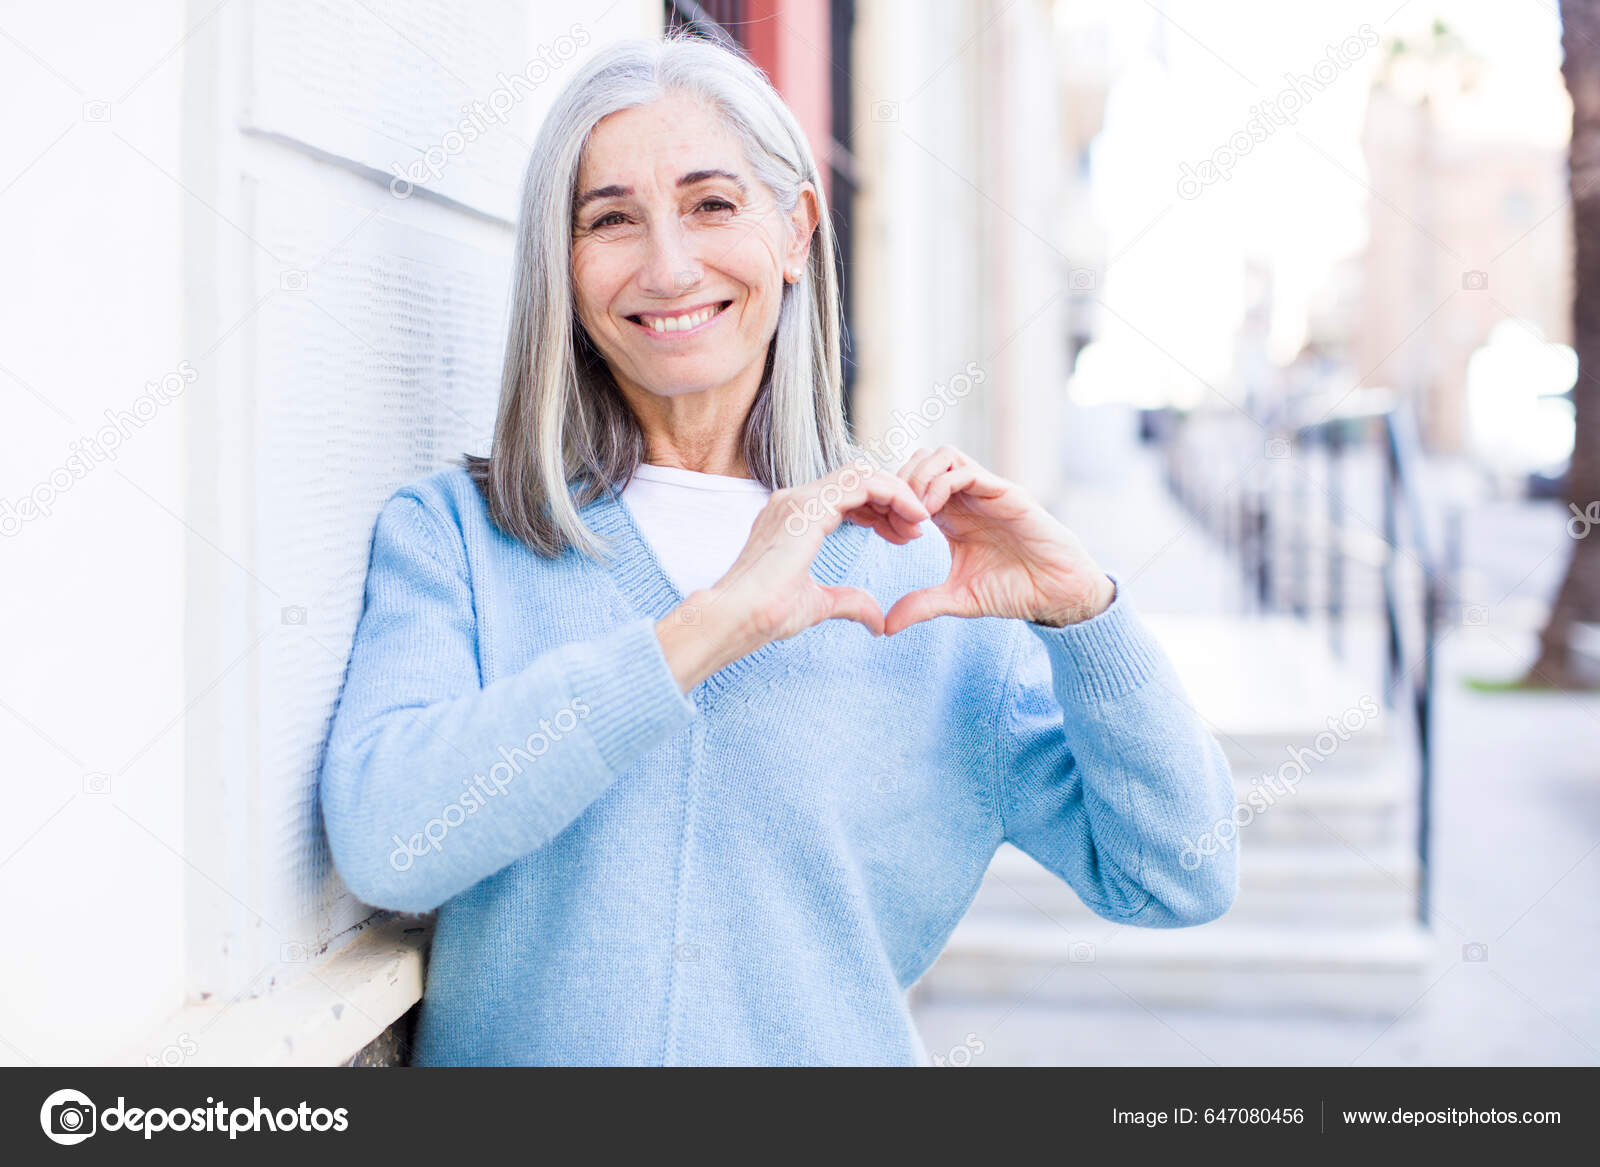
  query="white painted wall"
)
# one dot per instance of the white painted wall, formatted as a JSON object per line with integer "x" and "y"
{"x": 178, "y": 624}
{"x": 92, "y": 638}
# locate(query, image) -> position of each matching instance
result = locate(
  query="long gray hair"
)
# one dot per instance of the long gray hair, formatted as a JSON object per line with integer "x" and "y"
{"x": 564, "y": 434}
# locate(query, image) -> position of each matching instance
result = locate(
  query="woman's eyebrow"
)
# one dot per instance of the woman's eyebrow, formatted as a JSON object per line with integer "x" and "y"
{"x": 615, "y": 192}
{"x": 695, "y": 176}
{"x": 600, "y": 192}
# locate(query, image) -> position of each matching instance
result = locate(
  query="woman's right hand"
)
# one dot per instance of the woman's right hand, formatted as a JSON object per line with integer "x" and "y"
{"x": 769, "y": 593}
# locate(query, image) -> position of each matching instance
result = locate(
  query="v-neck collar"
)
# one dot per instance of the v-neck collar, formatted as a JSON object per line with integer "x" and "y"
{"x": 644, "y": 582}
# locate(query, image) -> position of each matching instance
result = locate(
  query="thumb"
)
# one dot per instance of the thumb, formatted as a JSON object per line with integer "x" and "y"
{"x": 854, "y": 604}
{"x": 923, "y": 604}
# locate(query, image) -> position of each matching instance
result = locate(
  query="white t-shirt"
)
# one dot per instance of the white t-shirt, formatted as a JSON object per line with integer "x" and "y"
{"x": 695, "y": 523}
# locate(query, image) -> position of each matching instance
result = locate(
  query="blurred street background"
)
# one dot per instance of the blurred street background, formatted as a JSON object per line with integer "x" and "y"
{"x": 1275, "y": 305}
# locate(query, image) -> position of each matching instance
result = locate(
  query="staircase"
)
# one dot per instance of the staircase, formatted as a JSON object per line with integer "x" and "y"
{"x": 1325, "y": 919}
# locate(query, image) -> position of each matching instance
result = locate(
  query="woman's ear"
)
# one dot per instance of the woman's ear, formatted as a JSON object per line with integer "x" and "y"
{"x": 803, "y": 225}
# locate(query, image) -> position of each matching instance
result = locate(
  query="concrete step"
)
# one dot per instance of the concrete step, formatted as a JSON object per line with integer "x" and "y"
{"x": 1268, "y": 682}
{"x": 1331, "y": 885}
{"x": 1364, "y": 813}
{"x": 1363, "y": 971}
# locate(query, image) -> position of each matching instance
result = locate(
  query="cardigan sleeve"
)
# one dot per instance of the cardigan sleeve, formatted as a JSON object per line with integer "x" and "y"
{"x": 432, "y": 781}
{"x": 1107, "y": 775}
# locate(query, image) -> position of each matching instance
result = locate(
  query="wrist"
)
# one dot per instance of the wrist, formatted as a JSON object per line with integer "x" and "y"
{"x": 702, "y": 634}
{"x": 1105, "y": 591}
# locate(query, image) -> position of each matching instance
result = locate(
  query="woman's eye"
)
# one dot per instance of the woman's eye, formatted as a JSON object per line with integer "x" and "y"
{"x": 609, "y": 219}
{"x": 716, "y": 205}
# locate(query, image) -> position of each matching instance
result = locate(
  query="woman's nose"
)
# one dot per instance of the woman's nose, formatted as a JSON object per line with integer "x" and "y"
{"x": 671, "y": 267}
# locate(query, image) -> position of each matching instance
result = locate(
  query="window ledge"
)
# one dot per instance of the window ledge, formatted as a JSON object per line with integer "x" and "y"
{"x": 321, "y": 1017}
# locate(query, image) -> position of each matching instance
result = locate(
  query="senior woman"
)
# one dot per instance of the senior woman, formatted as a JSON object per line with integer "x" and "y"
{"x": 695, "y": 734}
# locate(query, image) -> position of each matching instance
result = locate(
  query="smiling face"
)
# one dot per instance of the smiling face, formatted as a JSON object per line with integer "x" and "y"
{"x": 679, "y": 251}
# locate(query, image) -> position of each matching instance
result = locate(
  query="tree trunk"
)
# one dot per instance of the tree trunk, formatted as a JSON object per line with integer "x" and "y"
{"x": 1579, "y": 595}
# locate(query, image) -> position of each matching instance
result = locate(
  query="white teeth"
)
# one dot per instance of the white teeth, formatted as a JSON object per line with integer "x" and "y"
{"x": 680, "y": 323}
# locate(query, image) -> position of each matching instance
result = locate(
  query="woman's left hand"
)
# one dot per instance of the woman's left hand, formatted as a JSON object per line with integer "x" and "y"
{"x": 1008, "y": 556}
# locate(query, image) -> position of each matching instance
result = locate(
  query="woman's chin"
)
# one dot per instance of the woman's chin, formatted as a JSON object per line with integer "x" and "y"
{"x": 681, "y": 387}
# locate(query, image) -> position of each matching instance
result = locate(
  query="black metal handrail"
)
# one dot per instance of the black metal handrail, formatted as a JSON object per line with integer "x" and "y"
{"x": 1253, "y": 529}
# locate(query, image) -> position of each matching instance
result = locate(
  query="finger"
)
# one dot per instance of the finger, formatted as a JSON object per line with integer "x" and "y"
{"x": 907, "y": 529}
{"x": 888, "y": 525}
{"x": 970, "y": 479}
{"x": 925, "y": 604}
{"x": 893, "y": 492}
{"x": 887, "y": 521}
{"x": 819, "y": 507}
{"x": 883, "y": 491}
{"x": 909, "y": 466}
{"x": 939, "y": 490}
{"x": 941, "y": 460}
{"x": 854, "y": 604}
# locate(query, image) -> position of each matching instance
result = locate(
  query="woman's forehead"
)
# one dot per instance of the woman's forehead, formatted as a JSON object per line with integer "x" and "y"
{"x": 659, "y": 142}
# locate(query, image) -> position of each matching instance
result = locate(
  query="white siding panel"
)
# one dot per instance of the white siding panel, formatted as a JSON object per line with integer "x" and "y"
{"x": 377, "y": 362}
{"x": 378, "y": 85}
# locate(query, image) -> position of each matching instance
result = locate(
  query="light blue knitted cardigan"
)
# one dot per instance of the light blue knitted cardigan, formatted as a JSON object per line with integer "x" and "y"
{"x": 756, "y": 872}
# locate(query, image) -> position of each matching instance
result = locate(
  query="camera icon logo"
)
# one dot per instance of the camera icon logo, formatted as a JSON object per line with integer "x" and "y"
{"x": 293, "y": 281}
{"x": 294, "y": 614}
{"x": 886, "y": 111}
{"x": 1279, "y": 448}
{"x": 97, "y": 782}
{"x": 1475, "y": 952}
{"x": 97, "y": 111}
{"x": 1474, "y": 281}
{"x": 1081, "y": 952}
{"x": 1082, "y": 279}
{"x": 1474, "y": 615}
{"x": 68, "y": 1117}
{"x": 686, "y": 953}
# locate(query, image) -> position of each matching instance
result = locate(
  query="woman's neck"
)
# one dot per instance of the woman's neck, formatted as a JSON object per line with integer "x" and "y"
{"x": 695, "y": 431}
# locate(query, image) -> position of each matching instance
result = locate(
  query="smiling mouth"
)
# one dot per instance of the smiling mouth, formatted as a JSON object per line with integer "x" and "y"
{"x": 685, "y": 322}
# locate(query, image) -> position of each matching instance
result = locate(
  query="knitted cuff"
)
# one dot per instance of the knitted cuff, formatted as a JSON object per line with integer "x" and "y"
{"x": 632, "y": 697}
{"x": 1105, "y": 656}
